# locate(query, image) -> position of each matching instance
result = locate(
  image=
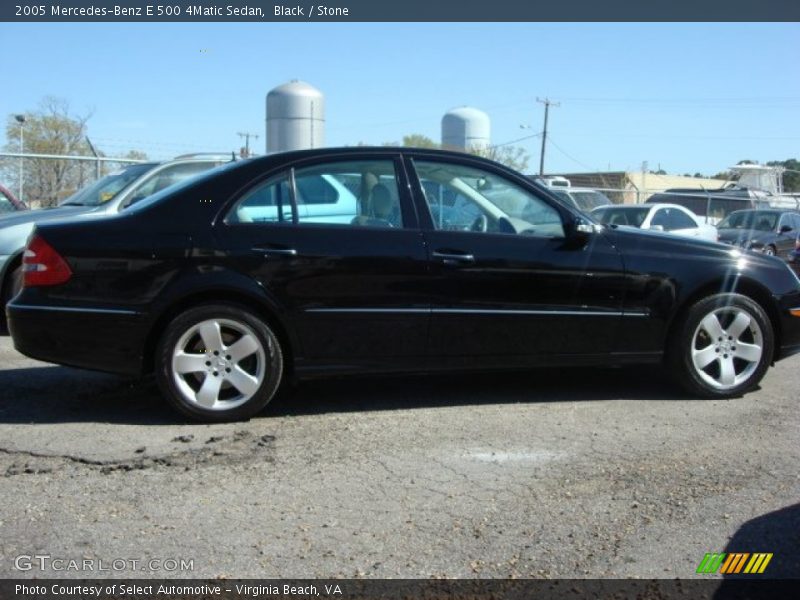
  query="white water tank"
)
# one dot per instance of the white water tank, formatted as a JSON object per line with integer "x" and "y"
{"x": 464, "y": 128}
{"x": 295, "y": 117}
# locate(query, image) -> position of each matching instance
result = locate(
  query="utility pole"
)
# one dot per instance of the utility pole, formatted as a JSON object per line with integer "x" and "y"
{"x": 247, "y": 135}
{"x": 547, "y": 103}
{"x": 21, "y": 120}
{"x": 96, "y": 155}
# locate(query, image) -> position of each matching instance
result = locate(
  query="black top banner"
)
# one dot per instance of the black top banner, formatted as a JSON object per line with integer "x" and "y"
{"x": 399, "y": 10}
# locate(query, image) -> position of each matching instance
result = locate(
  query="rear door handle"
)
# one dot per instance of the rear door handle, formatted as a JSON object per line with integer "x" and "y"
{"x": 452, "y": 258}
{"x": 269, "y": 251}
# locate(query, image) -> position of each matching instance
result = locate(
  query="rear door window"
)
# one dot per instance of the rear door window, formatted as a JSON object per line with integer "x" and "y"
{"x": 351, "y": 193}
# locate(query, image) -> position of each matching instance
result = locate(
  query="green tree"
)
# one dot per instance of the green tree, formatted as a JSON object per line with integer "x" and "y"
{"x": 51, "y": 129}
{"x": 514, "y": 157}
{"x": 417, "y": 140}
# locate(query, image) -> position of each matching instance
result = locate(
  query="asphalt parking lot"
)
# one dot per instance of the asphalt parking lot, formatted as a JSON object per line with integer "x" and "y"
{"x": 559, "y": 473}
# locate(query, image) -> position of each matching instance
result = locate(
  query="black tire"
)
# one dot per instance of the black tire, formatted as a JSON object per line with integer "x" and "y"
{"x": 183, "y": 346}
{"x": 691, "y": 345}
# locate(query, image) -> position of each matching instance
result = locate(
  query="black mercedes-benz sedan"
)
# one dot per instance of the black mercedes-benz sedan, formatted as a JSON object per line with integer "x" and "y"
{"x": 387, "y": 260}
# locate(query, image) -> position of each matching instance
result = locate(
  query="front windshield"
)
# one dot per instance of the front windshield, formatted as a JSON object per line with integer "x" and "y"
{"x": 183, "y": 184}
{"x": 105, "y": 188}
{"x": 632, "y": 216}
{"x": 759, "y": 220}
{"x": 589, "y": 199}
{"x": 563, "y": 196}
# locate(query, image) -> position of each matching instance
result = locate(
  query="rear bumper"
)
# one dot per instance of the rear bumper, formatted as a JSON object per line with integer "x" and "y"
{"x": 100, "y": 339}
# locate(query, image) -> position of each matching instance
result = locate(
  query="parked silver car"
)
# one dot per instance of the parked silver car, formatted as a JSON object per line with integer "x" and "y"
{"x": 109, "y": 195}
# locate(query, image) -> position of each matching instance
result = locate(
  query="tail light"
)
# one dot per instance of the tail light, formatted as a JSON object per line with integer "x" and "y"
{"x": 42, "y": 265}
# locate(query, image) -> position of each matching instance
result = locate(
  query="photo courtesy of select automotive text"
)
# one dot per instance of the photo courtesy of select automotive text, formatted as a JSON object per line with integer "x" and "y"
{"x": 371, "y": 300}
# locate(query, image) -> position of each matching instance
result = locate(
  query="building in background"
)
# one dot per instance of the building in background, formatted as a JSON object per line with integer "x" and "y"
{"x": 465, "y": 128}
{"x": 295, "y": 117}
{"x": 631, "y": 187}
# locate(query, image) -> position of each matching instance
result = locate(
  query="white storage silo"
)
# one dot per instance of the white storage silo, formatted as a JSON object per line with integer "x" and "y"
{"x": 295, "y": 117}
{"x": 464, "y": 128}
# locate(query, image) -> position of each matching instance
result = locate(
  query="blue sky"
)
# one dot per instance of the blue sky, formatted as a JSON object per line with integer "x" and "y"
{"x": 687, "y": 97}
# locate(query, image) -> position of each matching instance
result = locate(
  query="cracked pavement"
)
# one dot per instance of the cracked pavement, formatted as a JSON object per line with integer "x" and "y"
{"x": 552, "y": 473}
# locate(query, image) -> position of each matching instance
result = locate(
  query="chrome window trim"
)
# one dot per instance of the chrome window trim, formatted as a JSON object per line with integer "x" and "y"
{"x": 107, "y": 311}
{"x": 471, "y": 311}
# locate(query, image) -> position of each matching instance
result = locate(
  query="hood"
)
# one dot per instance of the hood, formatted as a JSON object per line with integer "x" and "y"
{"x": 658, "y": 246}
{"x": 43, "y": 214}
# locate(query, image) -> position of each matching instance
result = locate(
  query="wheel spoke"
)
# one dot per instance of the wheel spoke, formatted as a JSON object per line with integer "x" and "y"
{"x": 211, "y": 334}
{"x": 727, "y": 374}
{"x": 243, "y": 348}
{"x": 740, "y": 323}
{"x": 703, "y": 358}
{"x": 712, "y": 326}
{"x": 209, "y": 392}
{"x": 189, "y": 363}
{"x": 242, "y": 381}
{"x": 748, "y": 352}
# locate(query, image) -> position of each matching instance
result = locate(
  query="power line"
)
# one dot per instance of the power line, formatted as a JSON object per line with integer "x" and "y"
{"x": 522, "y": 139}
{"x": 569, "y": 156}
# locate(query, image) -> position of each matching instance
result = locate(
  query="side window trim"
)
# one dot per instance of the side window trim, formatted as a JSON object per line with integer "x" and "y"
{"x": 293, "y": 197}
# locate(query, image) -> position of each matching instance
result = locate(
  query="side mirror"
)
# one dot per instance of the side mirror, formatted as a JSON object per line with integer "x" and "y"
{"x": 582, "y": 228}
{"x": 656, "y": 227}
{"x": 786, "y": 228}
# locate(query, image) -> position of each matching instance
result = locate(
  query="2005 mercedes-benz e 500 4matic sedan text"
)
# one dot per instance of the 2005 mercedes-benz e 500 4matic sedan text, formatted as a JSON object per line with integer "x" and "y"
{"x": 386, "y": 259}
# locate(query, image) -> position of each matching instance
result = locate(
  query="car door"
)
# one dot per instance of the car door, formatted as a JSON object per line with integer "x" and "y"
{"x": 508, "y": 286}
{"x": 785, "y": 238}
{"x": 354, "y": 287}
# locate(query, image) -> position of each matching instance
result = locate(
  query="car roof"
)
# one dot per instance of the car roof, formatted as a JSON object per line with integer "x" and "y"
{"x": 776, "y": 211}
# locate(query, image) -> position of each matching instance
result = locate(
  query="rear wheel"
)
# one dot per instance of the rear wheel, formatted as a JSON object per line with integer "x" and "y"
{"x": 219, "y": 363}
{"x": 723, "y": 348}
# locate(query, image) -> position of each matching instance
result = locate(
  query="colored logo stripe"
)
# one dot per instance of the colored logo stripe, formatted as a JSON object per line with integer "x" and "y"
{"x": 758, "y": 563}
{"x": 734, "y": 563}
{"x": 710, "y": 563}
{"x": 731, "y": 564}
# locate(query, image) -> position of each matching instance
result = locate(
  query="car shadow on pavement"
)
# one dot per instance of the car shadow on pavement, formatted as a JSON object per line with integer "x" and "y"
{"x": 456, "y": 389}
{"x": 54, "y": 394}
{"x": 775, "y": 533}
{"x": 63, "y": 395}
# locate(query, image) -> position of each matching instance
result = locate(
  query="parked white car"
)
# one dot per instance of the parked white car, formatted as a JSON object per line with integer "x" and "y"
{"x": 669, "y": 218}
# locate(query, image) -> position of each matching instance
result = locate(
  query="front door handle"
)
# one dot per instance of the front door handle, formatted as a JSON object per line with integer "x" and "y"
{"x": 269, "y": 251}
{"x": 452, "y": 258}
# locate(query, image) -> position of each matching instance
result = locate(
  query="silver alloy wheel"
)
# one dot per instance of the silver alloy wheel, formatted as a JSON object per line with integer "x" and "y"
{"x": 727, "y": 347}
{"x": 218, "y": 364}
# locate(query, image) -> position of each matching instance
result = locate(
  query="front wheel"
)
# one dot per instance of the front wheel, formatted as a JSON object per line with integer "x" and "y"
{"x": 723, "y": 347}
{"x": 219, "y": 363}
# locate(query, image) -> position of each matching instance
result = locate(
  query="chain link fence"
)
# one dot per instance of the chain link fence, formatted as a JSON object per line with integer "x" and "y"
{"x": 44, "y": 180}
